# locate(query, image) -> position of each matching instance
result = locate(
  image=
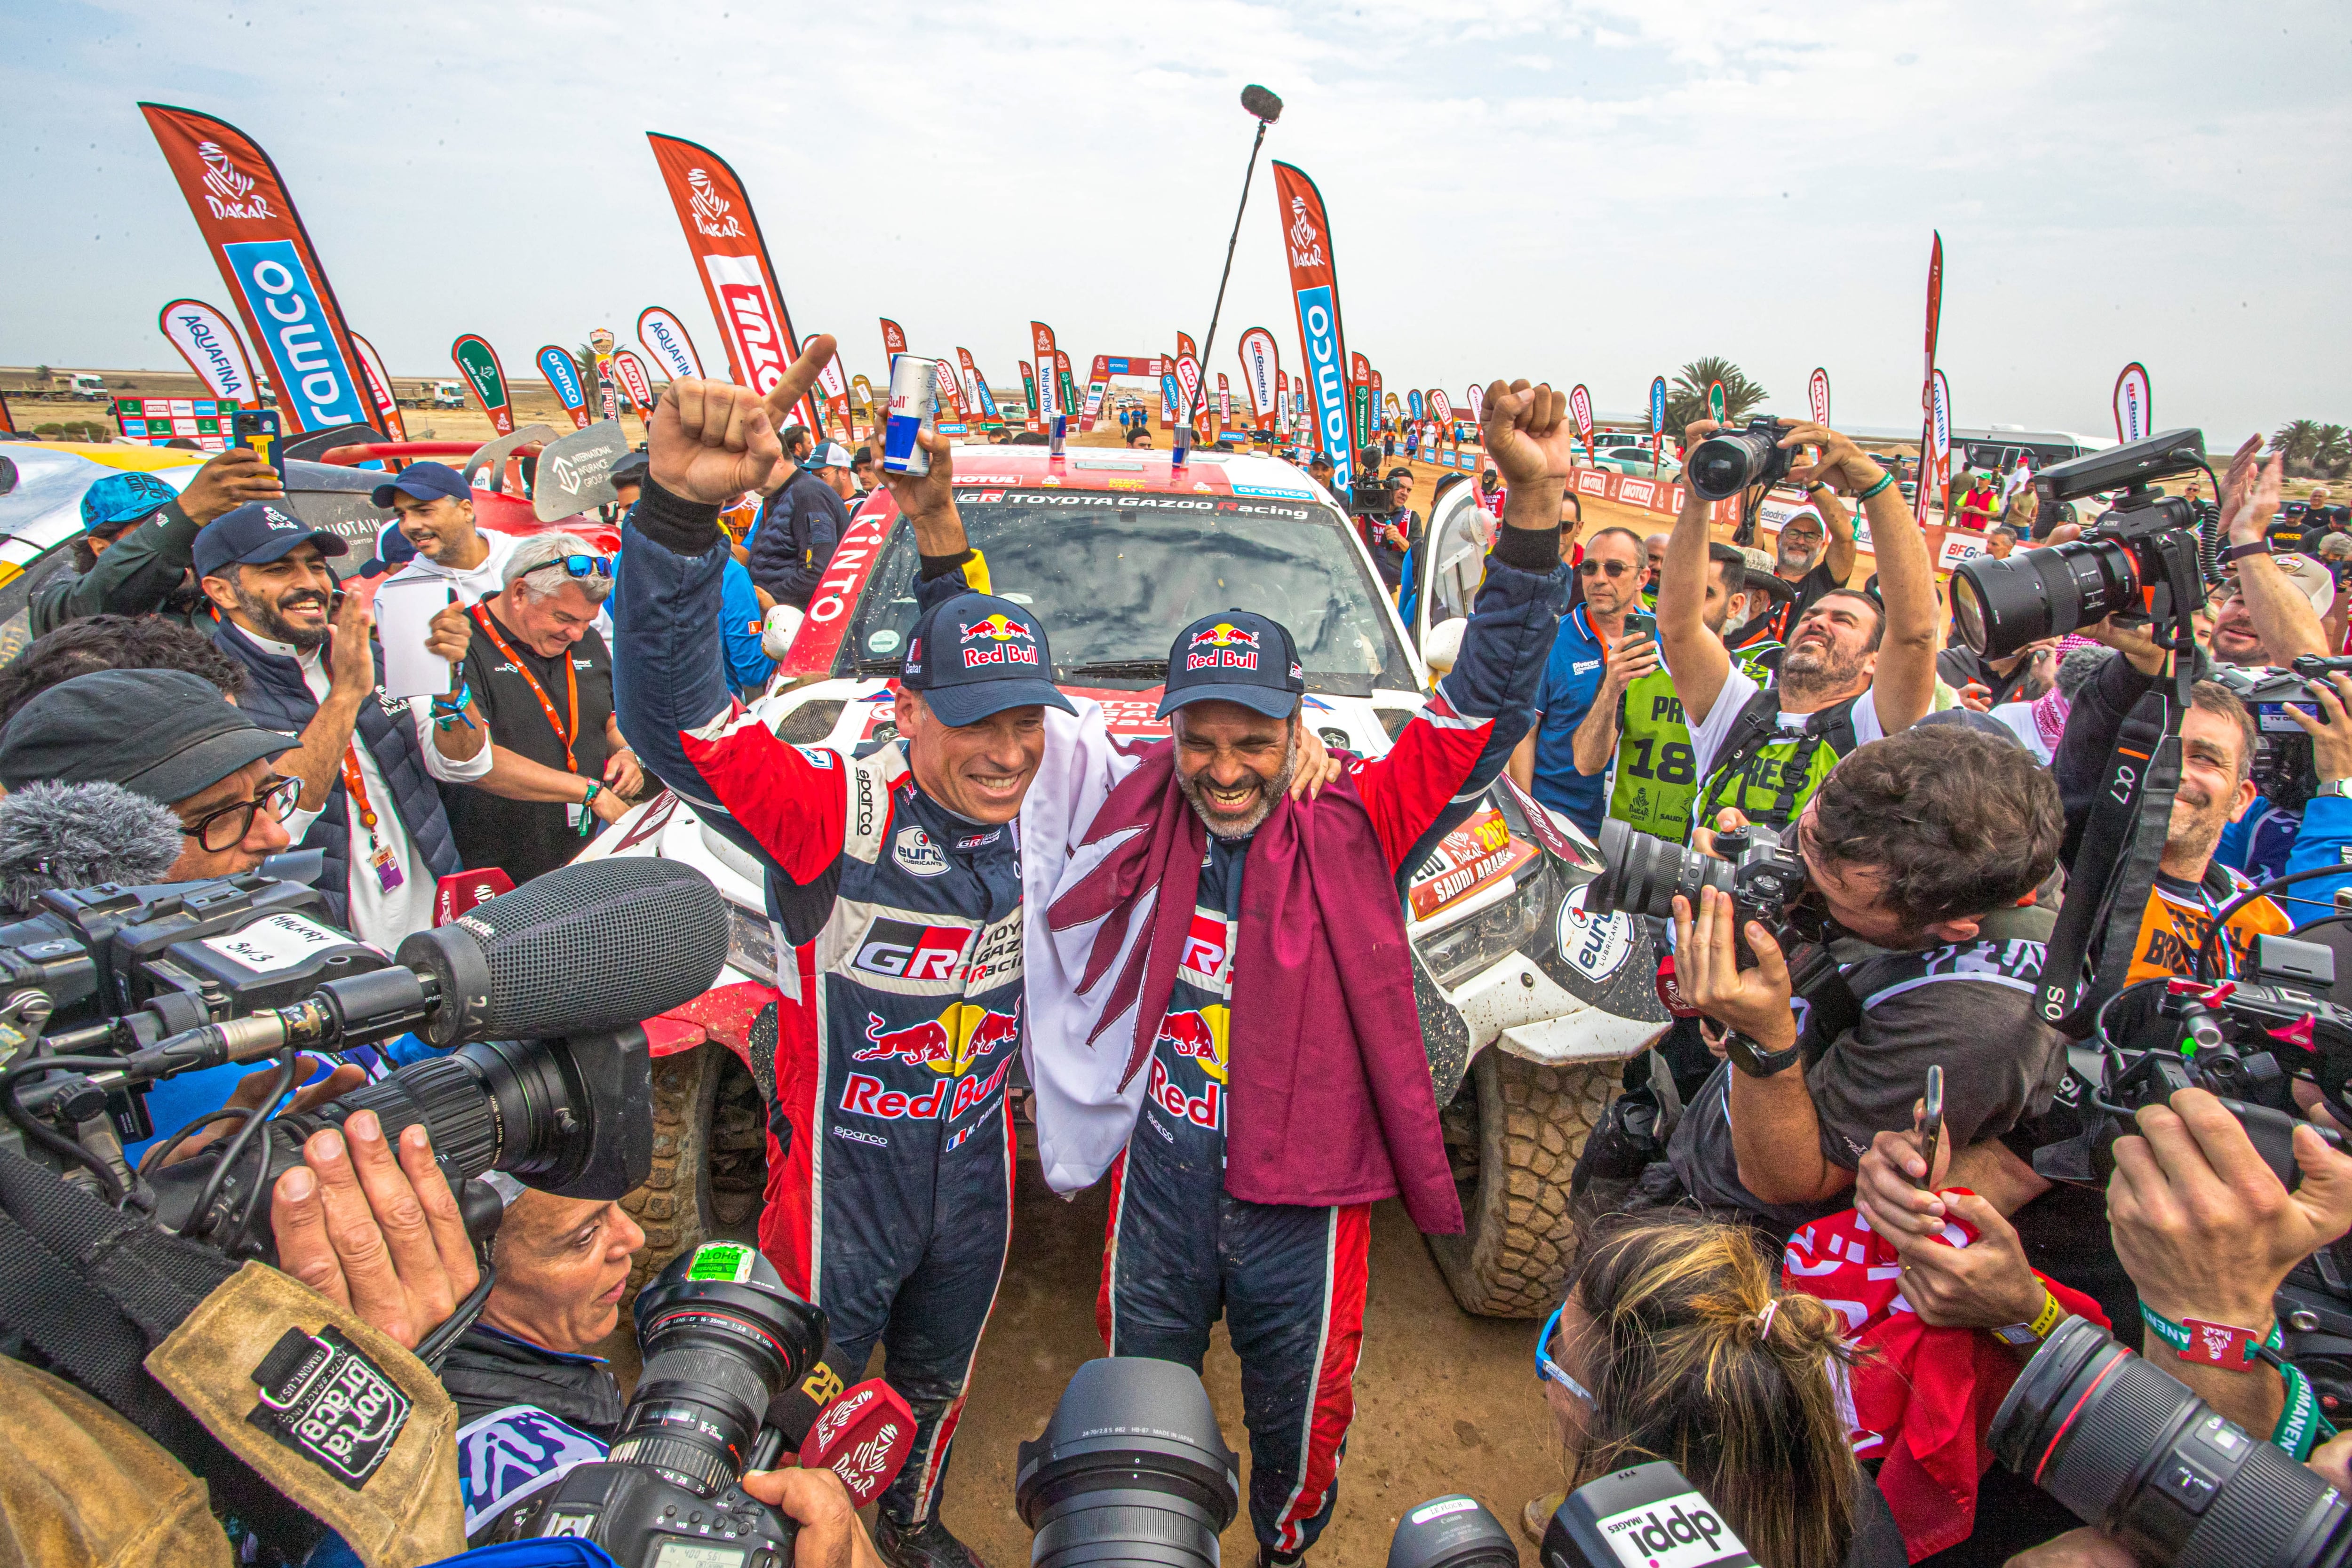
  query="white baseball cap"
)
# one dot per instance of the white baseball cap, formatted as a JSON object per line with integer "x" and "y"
{"x": 829, "y": 455}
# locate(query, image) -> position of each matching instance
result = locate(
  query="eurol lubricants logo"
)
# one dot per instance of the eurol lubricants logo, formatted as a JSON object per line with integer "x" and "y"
{"x": 1005, "y": 640}
{"x": 953, "y": 1045}
{"x": 714, "y": 216}
{"x": 229, "y": 191}
{"x": 1221, "y": 646}
{"x": 296, "y": 334}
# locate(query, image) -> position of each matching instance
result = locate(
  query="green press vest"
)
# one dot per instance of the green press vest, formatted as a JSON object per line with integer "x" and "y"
{"x": 1656, "y": 770}
{"x": 1769, "y": 772}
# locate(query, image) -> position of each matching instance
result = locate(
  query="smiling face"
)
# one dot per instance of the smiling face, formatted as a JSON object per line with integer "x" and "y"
{"x": 563, "y": 1264}
{"x": 1799, "y": 544}
{"x": 2212, "y": 793}
{"x": 548, "y": 625}
{"x": 1233, "y": 763}
{"x": 287, "y": 600}
{"x": 977, "y": 771}
{"x": 442, "y": 529}
{"x": 1834, "y": 647}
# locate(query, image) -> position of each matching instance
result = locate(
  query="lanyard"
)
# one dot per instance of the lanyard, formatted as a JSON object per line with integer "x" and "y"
{"x": 571, "y": 682}
{"x": 357, "y": 787}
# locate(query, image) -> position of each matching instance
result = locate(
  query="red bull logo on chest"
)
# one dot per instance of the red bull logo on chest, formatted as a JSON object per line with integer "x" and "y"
{"x": 1200, "y": 1035}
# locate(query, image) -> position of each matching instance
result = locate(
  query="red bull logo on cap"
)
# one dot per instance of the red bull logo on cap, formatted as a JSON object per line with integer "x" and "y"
{"x": 1013, "y": 643}
{"x": 1221, "y": 646}
{"x": 1224, "y": 633}
{"x": 1000, "y": 629}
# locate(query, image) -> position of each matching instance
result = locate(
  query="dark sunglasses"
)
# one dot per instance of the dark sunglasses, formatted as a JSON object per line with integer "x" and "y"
{"x": 1589, "y": 568}
{"x": 585, "y": 565}
{"x": 226, "y": 828}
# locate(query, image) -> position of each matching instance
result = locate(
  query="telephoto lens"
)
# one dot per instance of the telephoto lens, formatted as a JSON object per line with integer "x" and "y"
{"x": 1646, "y": 872}
{"x": 1730, "y": 461}
{"x": 2129, "y": 1448}
{"x": 1999, "y": 606}
{"x": 719, "y": 1334}
{"x": 1453, "y": 1532}
{"x": 1650, "y": 1513}
{"x": 1131, "y": 1468}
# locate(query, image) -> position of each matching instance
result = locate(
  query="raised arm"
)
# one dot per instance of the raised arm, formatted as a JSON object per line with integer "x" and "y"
{"x": 1695, "y": 655}
{"x": 2284, "y": 618}
{"x": 1837, "y": 527}
{"x": 1905, "y": 686}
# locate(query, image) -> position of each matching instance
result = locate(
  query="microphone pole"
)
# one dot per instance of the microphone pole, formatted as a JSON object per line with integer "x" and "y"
{"x": 1267, "y": 109}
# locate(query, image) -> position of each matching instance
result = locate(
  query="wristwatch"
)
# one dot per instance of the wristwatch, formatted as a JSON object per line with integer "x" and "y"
{"x": 2336, "y": 787}
{"x": 1754, "y": 1060}
{"x": 2044, "y": 1324}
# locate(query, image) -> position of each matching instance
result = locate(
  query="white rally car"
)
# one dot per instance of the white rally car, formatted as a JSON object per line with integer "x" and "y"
{"x": 1115, "y": 551}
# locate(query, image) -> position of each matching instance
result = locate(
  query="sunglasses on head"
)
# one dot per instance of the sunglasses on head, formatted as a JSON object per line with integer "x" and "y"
{"x": 1588, "y": 567}
{"x": 584, "y": 566}
{"x": 1547, "y": 1368}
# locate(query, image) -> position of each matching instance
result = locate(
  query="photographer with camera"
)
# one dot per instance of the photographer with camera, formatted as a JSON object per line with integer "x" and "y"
{"x": 139, "y": 539}
{"x": 1674, "y": 1343}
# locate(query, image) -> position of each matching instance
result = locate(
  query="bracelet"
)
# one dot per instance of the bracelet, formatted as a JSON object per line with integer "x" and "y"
{"x": 449, "y": 711}
{"x": 1884, "y": 479}
{"x": 2240, "y": 552}
{"x": 2050, "y": 1316}
{"x": 594, "y": 789}
{"x": 2300, "y": 1428}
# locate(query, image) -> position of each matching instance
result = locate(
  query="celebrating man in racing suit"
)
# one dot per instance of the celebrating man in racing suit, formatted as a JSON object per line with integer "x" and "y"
{"x": 896, "y": 880}
{"x": 1266, "y": 1024}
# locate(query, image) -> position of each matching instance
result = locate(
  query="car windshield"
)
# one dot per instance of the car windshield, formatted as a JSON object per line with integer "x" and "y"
{"x": 1114, "y": 577}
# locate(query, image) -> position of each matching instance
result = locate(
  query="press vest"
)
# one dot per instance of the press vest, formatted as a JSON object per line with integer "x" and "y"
{"x": 1769, "y": 772}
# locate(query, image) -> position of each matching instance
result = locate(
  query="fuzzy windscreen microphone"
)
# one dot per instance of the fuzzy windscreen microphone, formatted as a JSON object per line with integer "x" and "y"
{"x": 80, "y": 835}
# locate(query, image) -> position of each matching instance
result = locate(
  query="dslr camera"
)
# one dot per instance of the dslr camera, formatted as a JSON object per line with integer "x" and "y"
{"x": 2139, "y": 558}
{"x": 720, "y": 1335}
{"x": 1731, "y": 461}
{"x": 1760, "y": 869}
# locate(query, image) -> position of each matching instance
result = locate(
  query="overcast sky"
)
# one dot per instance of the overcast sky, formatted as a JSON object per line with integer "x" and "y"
{"x": 1594, "y": 192}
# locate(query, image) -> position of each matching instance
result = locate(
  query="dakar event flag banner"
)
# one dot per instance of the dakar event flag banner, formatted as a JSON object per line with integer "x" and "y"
{"x": 894, "y": 342}
{"x": 1359, "y": 392}
{"x": 212, "y": 348}
{"x": 1029, "y": 389}
{"x": 480, "y": 361}
{"x": 1817, "y": 396}
{"x": 273, "y": 271}
{"x": 379, "y": 382}
{"x": 1225, "y": 401}
{"x": 985, "y": 399}
{"x": 1187, "y": 377}
{"x": 1440, "y": 406}
{"x": 1097, "y": 388}
{"x": 2134, "y": 412}
{"x": 1315, "y": 291}
{"x": 1261, "y": 367}
{"x": 1928, "y": 376}
{"x": 665, "y": 339}
{"x": 562, "y": 373}
{"x": 1475, "y": 396}
{"x": 737, "y": 280}
{"x": 1047, "y": 400}
{"x": 634, "y": 379}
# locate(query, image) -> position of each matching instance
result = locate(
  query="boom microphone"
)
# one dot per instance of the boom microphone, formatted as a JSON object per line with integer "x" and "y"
{"x": 1262, "y": 103}
{"x": 80, "y": 835}
{"x": 864, "y": 1437}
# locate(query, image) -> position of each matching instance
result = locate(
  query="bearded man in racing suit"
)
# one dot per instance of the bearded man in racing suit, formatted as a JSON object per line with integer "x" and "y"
{"x": 896, "y": 880}
{"x": 1269, "y": 1031}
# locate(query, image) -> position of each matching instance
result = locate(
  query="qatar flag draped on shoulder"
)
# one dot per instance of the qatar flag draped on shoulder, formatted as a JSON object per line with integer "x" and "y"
{"x": 731, "y": 258}
{"x": 273, "y": 271}
{"x": 1314, "y": 289}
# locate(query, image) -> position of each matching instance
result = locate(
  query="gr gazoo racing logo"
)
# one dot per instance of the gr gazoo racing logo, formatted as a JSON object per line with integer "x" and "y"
{"x": 1004, "y": 641}
{"x": 714, "y": 215}
{"x": 1221, "y": 646}
{"x": 229, "y": 190}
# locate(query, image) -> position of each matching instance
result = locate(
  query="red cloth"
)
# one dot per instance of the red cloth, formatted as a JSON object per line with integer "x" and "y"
{"x": 1923, "y": 1401}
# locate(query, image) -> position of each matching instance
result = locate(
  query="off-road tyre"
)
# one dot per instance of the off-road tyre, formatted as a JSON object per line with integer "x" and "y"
{"x": 710, "y": 1166}
{"x": 1512, "y": 1136}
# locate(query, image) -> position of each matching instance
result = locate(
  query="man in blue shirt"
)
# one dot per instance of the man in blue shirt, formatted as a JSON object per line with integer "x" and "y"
{"x": 1612, "y": 574}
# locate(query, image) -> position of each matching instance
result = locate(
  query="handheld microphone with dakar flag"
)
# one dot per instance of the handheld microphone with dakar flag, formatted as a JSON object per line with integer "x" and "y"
{"x": 864, "y": 1437}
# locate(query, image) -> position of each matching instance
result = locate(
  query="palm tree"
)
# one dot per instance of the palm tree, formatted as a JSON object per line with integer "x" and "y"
{"x": 1686, "y": 397}
{"x": 2331, "y": 452}
{"x": 585, "y": 358}
{"x": 2294, "y": 441}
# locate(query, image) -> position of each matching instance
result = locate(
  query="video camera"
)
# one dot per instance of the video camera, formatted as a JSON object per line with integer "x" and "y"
{"x": 549, "y": 1080}
{"x": 2284, "y": 769}
{"x": 1649, "y": 1513}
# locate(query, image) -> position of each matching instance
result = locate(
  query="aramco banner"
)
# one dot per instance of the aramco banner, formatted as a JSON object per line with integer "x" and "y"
{"x": 731, "y": 258}
{"x": 1314, "y": 289}
{"x": 272, "y": 269}
{"x": 562, "y": 373}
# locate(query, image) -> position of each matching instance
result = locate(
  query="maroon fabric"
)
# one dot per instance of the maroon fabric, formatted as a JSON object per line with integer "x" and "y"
{"x": 1330, "y": 1097}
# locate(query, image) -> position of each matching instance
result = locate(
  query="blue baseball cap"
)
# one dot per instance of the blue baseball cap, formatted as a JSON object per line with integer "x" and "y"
{"x": 425, "y": 481}
{"x": 976, "y": 655}
{"x": 1234, "y": 657}
{"x": 393, "y": 549}
{"x": 257, "y": 532}
{"x": 118, "y": 501}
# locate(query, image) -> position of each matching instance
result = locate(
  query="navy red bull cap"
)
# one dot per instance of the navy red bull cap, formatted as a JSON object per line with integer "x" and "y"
{"x": 977, "y": 654}
{"x": 1235, "y": 657}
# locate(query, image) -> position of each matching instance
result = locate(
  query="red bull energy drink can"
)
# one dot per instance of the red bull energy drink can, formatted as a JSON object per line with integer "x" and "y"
{"x": 913, "y": 403}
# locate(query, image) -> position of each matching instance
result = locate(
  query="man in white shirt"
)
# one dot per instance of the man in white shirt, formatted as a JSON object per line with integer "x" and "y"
{"x": 368, "y": 767}
{"x": 437, "y": 513}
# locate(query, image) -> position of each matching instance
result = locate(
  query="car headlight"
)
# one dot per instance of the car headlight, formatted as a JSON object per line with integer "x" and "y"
{"x": 751, "y": 943}
{"x": 1469, "y": 948}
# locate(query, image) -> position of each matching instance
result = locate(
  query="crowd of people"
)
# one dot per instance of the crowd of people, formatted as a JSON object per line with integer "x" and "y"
{"x": 1786, "y": 1281}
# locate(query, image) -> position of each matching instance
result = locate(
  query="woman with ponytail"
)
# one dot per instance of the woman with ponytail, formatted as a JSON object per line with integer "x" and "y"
{"x": 1675, "y": 1343}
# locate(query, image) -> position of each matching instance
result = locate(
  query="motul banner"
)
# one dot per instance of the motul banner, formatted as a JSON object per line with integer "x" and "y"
{"x": 1188, "y": 378}
{"x": 272, "y": 269}
{"x": 1927, "y": 379}
{"x": 562, "y": 373}
{"x": 379, "y": 382}
{"x": 485, "y": 379}
{"x": 1475, "y": 396}
{"x": 737, "y": 280}
{"x": 665, "y": 339}
{"x": 945, "y": 391}
{"x": 1315, "y": 291}
{"x": 1440, "y": 406}
{"x": 210, "y": 345}
{"x": 2135, "y": 413}
{"x": 1580, "y": 409}
{"x": 634, "y": 379}
{"x": 1261, "y": 369}
{"x": 985, "y": 399}
{"x": 1048, "y": 399}
{"x": 1817, "y": 396}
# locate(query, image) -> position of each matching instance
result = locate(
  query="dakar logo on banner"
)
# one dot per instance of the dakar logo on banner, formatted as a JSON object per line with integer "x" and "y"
{"x": 229, "y": 189}
{"x": 713, "y": 214}
{"x": 1306, "y": 243}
